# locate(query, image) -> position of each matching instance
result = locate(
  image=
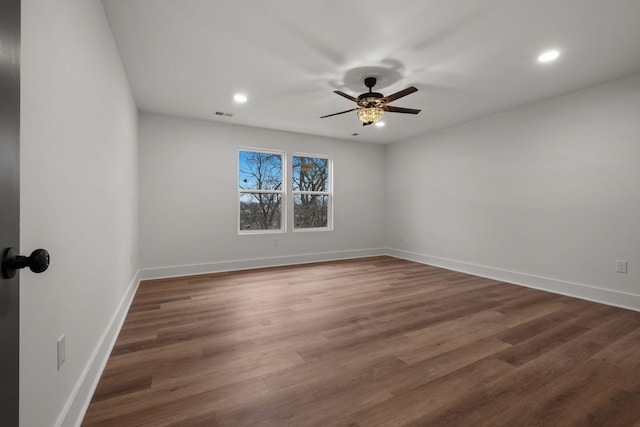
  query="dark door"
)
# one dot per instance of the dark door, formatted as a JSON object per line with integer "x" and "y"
{"x": 9, "y": 205}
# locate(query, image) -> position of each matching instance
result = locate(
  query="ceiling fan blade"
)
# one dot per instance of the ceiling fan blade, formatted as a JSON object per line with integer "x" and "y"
{"x": 341, "y": 112}
{"x": 346, "y": 95}
{"x": 400, "y": 94}
{"x": 393, "y": 109}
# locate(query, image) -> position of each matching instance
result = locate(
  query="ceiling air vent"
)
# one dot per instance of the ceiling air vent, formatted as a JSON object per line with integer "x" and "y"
{"x": 223, "y": 114}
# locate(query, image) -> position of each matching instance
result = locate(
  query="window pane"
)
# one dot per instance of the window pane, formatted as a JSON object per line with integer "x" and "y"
{"x": 260, "y": 211}
{"x": 310, "y": 173}
{"x": 310, "y": 210}
{"x": 260, "y": 171}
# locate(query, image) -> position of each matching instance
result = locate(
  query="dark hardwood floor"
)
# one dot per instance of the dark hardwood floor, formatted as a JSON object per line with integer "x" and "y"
{"x": 367, "y": 342}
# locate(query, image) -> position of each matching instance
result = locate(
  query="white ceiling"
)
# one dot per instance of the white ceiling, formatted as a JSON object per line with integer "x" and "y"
{"x": 468, "y": 58}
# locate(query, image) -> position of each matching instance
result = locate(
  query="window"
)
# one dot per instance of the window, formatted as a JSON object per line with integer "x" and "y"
{"x": 311, "y": 192}
{"x": 260, "y": 191}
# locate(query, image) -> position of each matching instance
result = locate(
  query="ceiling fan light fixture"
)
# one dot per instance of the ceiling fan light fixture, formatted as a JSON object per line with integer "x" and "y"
{"x": 370, "y": 115}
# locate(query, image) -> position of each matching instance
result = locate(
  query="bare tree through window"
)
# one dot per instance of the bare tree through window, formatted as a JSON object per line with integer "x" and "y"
{"x": 260, "y": 190}
{"x": 311, "y": 192}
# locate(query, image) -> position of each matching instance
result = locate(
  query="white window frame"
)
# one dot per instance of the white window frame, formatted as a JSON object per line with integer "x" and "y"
{"x": 282, "y": 192}
{"x": 328, "y": 193}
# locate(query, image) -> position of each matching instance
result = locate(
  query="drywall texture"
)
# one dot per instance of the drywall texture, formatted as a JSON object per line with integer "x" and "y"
{"x": 79, "y": 192}
{"x": 544, "y": 195}
{"x": 189, "y": 198}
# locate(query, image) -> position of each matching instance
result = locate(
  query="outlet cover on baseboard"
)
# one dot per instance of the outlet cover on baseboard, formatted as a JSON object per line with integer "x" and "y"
{"x": 62, "y": 344}
{"x": 621, "y": 266}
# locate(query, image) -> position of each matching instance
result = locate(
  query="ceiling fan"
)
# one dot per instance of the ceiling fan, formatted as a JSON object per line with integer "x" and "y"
{"x": 372, "y": 105}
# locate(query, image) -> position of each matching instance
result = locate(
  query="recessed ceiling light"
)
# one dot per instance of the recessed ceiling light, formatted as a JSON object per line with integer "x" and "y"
{"x": 379, "y": 124}
{"x": 548, "y": 56}
{"x": 238, "y": 97}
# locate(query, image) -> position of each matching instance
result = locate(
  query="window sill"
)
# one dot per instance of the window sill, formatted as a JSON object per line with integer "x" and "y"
{"x": 258, "y": 232}
{"x": 303, "y": 230}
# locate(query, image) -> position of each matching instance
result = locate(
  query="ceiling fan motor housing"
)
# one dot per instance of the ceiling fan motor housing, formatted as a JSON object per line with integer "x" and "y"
{"x": 370, "y": 99}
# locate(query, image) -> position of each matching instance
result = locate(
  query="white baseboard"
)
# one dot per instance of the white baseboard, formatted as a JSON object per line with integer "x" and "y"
{"x": 246, "y": 264}
{"x": 75, "y": 408}
{"x": 577, "y": 290}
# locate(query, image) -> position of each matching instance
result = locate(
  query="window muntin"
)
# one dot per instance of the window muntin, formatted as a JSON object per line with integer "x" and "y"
{"x": 311, "y": 187}
{"x": 260, "y": 191}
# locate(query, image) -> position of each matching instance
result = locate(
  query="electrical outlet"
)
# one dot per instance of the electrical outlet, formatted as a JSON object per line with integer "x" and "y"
{"x": 276, "y": 242}
{"x": 621, "y": 266}
{"x": 62, "y": 344}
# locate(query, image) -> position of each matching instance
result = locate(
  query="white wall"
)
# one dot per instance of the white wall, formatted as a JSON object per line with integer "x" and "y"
{"x": 79, "y": 201}
{"x": 546, "y": 195}
{"x": 188, "y": 198}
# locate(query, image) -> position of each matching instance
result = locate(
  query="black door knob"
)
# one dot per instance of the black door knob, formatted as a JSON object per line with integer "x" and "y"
{"x": 37, "y": 262}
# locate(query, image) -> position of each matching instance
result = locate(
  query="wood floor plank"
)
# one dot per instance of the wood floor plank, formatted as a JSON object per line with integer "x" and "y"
{"x": 409, "y": 407}
{"x": 563, "y": 401}
{"x": 367, "y": 342}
